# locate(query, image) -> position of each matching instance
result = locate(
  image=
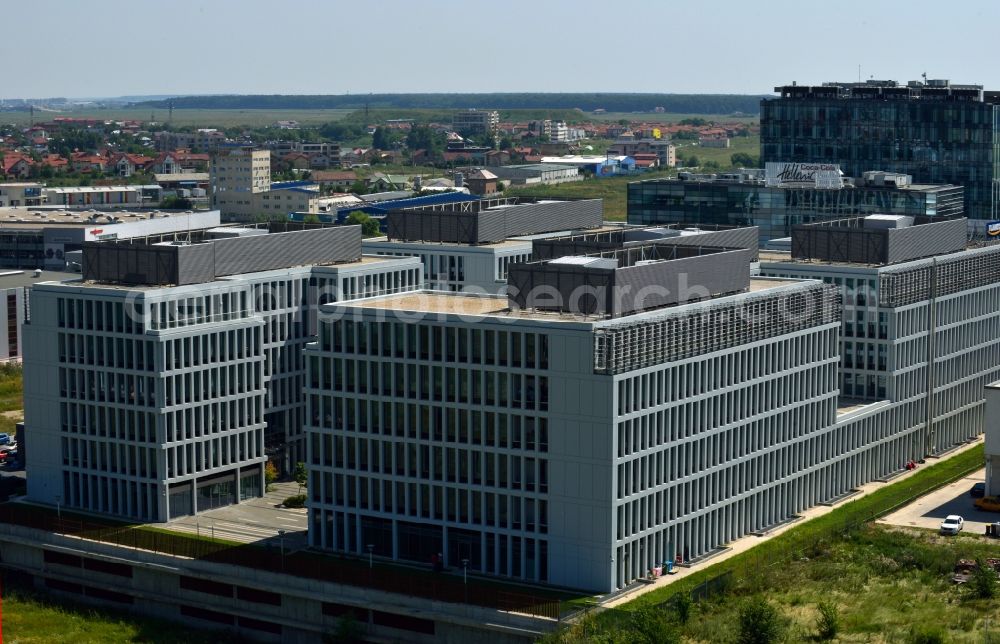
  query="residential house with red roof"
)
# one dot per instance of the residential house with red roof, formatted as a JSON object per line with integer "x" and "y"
{"x": 646, "y": 161}
{"x": 125, "y": 164}
{"x": 16, "y": 164}
{"x": 292, "y": 161}
{"x": 86, "y": 162}
{"x": 336, "y": 179}
{"x": 54, "y": 161}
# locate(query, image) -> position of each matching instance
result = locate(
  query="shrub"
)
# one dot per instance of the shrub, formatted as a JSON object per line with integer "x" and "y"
{"x": 296, "y": 501}
{"x": 983, "y": 582}
{"x": 650, "y": 625}
{"x": 828, "y": 623}
{"x": 682, "y": 603}
{"x": 926, "y": 635}
{"x": 759, "y": 623}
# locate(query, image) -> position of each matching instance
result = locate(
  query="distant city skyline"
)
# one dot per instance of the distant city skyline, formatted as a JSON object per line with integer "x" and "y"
{"x": 114, "y": 48}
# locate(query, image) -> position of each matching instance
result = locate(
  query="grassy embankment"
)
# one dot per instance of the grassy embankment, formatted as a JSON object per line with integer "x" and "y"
{"x": 888, "y": 584}
{"x": 32, "y": 619}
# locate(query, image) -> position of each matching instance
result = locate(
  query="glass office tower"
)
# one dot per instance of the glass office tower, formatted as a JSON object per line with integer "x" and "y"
{"x": 935, "y": 131}
{"x": 775, "y": 209}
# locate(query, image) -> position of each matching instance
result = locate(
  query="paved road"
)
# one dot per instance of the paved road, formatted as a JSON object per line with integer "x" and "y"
{"x": 929, "y": 511}
{"x": 253, "y": 521}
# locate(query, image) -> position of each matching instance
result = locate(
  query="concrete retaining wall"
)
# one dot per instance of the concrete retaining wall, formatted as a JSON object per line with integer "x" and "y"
{"x": 258, "y": 605}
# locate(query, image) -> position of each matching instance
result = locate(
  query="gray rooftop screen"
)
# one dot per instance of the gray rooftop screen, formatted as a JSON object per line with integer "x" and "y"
{"x": 492, "y": 220}
{"x": 628, "y": 280}
{"x": 151, "y": 265}
{"x": 850, "y": 241}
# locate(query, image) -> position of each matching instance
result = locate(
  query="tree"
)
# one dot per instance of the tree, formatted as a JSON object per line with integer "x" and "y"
{"x": 369, "y": 227}
{"x": 984, "y": 580}
{"x": 828, "y": 623}
{"x": 759, "y": 622}
{"x": 311, "y": 218}
{"x": 381, "y": 140}
{"x": 175, "y": 202}
{"x": 301, "y": 475}
{"x": 422, "y": 137}
{"x": 270, "y": 475}
{"x": 348, "y": 631}
{"x": 691, "y": 161}
{"x": 744, "y": 160}
{"x": 501, "y": 186}
{"x": 359, "y": 187}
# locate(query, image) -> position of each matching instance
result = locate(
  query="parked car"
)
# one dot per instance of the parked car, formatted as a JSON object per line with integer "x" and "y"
{"x": 4, "y": 439}
{"x": 8, "y": 447}
{"x": 978, "y": 490}
{"x": 7, "y": 456}
{"x": 952, "y": 524}
{"x": 988, "y": 504}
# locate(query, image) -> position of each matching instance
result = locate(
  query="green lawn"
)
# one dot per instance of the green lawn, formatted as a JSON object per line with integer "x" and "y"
{"x": 11, "y": 387}
{"x": 612, "y": 190}
{"x": 722, "y": 156}
{"x": 33, "y": 619}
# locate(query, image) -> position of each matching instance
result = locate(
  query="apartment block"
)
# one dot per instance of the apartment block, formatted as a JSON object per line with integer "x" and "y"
{"x": 236, "y": 176}
{"x": 476, "y": 121}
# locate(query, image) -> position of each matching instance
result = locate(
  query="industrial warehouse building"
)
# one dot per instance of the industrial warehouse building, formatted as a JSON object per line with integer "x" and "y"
{"x": 582, "y": 441}
{"x": 41, "y": 238}
{"x": 155, "y": 384}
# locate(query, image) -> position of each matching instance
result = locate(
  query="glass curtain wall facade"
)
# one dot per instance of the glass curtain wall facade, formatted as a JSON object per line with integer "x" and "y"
{"x": 776, "y": 209}
{"x": 939, "y": 138}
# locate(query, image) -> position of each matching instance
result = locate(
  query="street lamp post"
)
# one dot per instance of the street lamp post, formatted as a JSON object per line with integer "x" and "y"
{"x": 281, "y": 545}
{"x": 370, "y": 547}
{"x": 465, "y": 571}
{"x": 59, "y": 507}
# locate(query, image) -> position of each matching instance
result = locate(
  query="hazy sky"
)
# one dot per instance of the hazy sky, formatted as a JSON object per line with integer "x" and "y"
{"x": 79, "y": 48}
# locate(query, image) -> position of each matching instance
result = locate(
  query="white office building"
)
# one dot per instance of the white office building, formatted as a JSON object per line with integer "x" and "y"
{"x": 921, "y": 323}
{"x": 584, "y": 437}
{"x": 470, "y": 246}
{"x": 154, "y": 384}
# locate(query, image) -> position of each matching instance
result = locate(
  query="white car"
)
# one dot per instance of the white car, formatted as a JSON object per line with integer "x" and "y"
{"x": 952, "y": 524}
